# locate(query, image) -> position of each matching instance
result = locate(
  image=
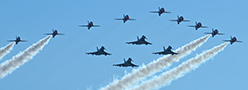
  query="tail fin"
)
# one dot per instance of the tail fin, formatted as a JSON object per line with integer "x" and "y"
{"x": 164, "y": 48}
{"x": 138, "y": 38}
{"x": 124, "y": 60}
{"x": 178, "y": 16}
{"x": 97, "y": 48}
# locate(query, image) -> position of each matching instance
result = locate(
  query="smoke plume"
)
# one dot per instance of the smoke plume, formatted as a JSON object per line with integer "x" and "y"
{"x": 167, "y": 77}
{"x": 9, "y": 66}
{"x": 155, "y": 66}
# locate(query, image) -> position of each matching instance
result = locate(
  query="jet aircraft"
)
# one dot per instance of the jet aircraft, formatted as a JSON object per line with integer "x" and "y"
{"x": 125, "y": 18}
{"x": 55, "y": 32}
{"x": 160, "y": 11}
{"x": 140, "y": 41}
{"x": 197, "y": 25}
{"x": 166, "y": 51}
{"x": 99, "y": 52}
{"x": 214, "y": 32}
{"x": 126, "y": 63}
{"x": 18, "y": 39}
{"x": 233, "y": 39}
{"x": 180, "y": 19}
{"x": 90, "y": 24}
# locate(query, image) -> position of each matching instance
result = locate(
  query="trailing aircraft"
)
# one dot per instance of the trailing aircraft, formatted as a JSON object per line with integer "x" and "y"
{"x": 126, "y": 63}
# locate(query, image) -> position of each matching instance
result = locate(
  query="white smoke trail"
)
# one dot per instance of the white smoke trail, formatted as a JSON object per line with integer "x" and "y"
{"x": 5, "y": 50}
{"x": 155, "y": 66}
{"x": 167, "y": 77}
{"x": 9, "y": 66}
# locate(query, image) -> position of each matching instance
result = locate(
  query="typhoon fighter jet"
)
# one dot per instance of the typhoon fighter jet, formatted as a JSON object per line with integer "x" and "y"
{"x": 90, "y": 24}
{"x": 126, "y": 63}
{"x": 214, "y": 32}
{"x": 180, "y": 19}
{"x": 55, "y": 32}
{"x": 233, "y": 39}
{"x": 197, "y": 25}
{"x": 160, "y": 11}
{"x": 99, "y": 52}
{"x": 18, "y": 39}
{"x": 140, "y": 41}
{"x": 125, "y": 18}
{"x": 166, "y": 51}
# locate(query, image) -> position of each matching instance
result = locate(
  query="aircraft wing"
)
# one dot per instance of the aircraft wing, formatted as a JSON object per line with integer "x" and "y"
{"x": 173, "y": 20}
{"x": 60, "y": 34}
{"x": 11, "y": 40}
{"x": 48, "y": 33}
{"x": 83, "y": 25}
{"x": 154, "y": 11}
{"x": 186, "y": 20}
{"x": 107, "y": 53}
{"x": 204, "y": 27}
{"x": 227, "y": 40}
{"x": 120, "y": 65}
{"x": 167, "y": 12}
{"x": 131, "y": 19}
{"x": 96, "y": 26}
{"x": 207, "y": 33}
{"x": 220, "y": 33}
{"x": 158, "y": 53}
{"x": 133, "y": 65}
{"x": 148, "y": 43}
{"x": 135, "y": 42}
{"x": 119, "y": 19}
{"x": 239, "y": 41}
{"x": 23, "y": 41}
{"x": 191, "y": 25}
{"x": 92, "y": 53}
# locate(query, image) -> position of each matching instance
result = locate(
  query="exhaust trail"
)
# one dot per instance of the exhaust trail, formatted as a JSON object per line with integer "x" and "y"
{"x": 9, "y": 66}
{"x": 5, "y": 50}
{"x": 155, "y": 66}
{"x": 180, "y": 71}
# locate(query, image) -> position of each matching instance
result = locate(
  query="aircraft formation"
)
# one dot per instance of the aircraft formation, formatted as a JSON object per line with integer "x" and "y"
{"x": 140, "y": 41}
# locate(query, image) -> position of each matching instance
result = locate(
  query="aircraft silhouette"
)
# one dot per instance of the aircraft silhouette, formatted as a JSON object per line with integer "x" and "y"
{"x": 55, "y": 32}
{"x": 99, "y": 52}
{"x": 125, "y": 18}
{"x": 140, "y": 41}
{"x": 126, "y": 63}
{"x": 215, "y": 32}
{"x": 233, "y": 39}
{"x": 160, "y": 11}
{"x": 18, "y": 39}
{"x": 166, "y": 51}
{"x": 180, "y": 19}
{"x": 90, "y": 24}
{"x": 197, "y": 25}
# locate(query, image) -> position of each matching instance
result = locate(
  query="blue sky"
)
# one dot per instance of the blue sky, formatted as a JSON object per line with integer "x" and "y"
{"x": 63, "y": 64}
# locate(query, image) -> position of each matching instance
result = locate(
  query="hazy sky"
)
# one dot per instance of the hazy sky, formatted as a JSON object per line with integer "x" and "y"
{"x": 63, "y": 64}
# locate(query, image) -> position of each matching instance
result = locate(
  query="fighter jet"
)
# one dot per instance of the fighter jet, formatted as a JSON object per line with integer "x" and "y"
{"x": 90, "y": 24}
{"x": 125, "y": 18}
{"x": 55, "y": 32}
{"x": 140, "y": 41}
{"x": 233, "y": 39}
{"x": 166, "y": 51}
{"x": 197, "y": 25}
{"x": 180, "y": 19}
{"x": 99, "y": 52}
{"x": 18, "y": 39}
{"x": 126, "y": 63}
{"x": 160, "y": 11}
{"x": 214, "y": 32}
